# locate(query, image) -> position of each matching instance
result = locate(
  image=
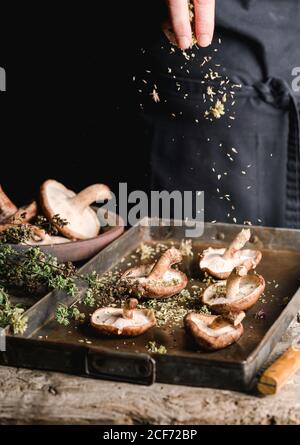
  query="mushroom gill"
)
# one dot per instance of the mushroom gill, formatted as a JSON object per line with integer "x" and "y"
{"x": 127, "y": 321}
{"x": 212, "y": 332}
{"x": 220, "y": 262}
{"x": 239, "y": 293}
{"x": 157, "y": 280}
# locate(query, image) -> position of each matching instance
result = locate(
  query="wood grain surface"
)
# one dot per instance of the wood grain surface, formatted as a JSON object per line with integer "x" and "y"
{"x": 28, "y": 397}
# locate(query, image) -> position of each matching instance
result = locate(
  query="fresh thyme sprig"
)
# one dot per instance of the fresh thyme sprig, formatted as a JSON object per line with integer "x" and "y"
{"x": 64, "y": 313}
{"x": 16, "y": 234}
{"x": 22, "y": 233}
{"x": 50, "y": 225}
{"x": 33, "y": 271}
{"x": 11, "y": 315}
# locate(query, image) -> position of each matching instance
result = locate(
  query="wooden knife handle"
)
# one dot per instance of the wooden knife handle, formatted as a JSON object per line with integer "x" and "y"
{"x": 279, "y": 372}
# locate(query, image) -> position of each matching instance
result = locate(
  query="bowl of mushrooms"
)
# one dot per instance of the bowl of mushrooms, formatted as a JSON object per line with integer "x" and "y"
{"x": 61, "y": 222}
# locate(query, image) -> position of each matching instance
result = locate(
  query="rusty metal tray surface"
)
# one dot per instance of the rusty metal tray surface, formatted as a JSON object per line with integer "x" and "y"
{"x": 78, "y": 350}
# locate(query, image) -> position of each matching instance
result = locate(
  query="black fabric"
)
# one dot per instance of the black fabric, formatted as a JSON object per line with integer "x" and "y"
{"x": 259, "y": 49}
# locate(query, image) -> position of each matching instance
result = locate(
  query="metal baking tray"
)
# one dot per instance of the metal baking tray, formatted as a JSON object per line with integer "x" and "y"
{"x": 78, "y": 350}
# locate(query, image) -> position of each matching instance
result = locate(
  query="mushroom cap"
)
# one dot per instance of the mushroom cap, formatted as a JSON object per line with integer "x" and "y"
{"x": 158, "y": 280}
{"x": 250, "y": 289}
{"x": 7, "y": 207}
{"x": 212, "y": 332}
{"x": 24, "y": 214}
{"x": 9, "y": 213}
{"x": 83, "y": 222}
{"x": 171, "y": 283}
{"x": 111, "y": 321}
{"x": 213, "y": 262}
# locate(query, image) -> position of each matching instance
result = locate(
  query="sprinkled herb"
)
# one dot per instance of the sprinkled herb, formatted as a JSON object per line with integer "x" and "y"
{"x": 146, "y": 252}
{"x": 153, "y": 347}
{"x": 208, "y": 279}
{"x": 205, "y": 310}
{"x": 185, "y": 294}
{"x": 260, "y": 315}
{"x": 171, "y": 311}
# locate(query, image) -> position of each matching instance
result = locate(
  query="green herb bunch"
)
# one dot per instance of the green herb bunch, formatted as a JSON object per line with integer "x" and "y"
{"x": 19, "y": 232}
{"x": 16, "y": 234}
{"x": 34, "y": 271}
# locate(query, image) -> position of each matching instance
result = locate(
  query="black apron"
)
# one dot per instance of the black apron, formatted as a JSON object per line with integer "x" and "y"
{"x": 250, "y": 171}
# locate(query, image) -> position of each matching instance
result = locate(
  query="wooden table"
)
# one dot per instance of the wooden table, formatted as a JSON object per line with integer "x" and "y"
{"x": 46, "y": 397}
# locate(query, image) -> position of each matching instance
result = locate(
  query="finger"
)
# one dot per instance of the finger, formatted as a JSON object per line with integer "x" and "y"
{"x": 179, "y": 16}
{"x": 204, "y": 21}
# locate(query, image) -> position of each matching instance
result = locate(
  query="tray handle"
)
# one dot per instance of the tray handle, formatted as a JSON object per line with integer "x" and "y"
{"x": 279, "y": 372}
{"x": 124, "y": 367}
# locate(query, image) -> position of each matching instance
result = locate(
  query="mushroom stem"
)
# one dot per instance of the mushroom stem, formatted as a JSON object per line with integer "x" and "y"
{"x": 234, "y": 279}
{"x": 129, "y": 306}
{"x": 233, "y": 282}
{"x": 137, "y": 272}
{"x": 234, "y": 318}
{"x": 168, "y": 258}
{"x": 93, "y": 193}
{"x": 237, "y": 244}
{"x": 7, "y": 207}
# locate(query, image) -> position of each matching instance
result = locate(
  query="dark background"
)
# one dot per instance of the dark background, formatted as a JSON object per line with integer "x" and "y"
{"x": 70, "y": 110}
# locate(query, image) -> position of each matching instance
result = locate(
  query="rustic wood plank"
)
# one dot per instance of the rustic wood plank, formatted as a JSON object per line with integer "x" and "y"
{"x": 28, "y": 396}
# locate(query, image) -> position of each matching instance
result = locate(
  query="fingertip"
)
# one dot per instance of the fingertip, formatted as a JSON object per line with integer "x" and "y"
{"x": 204, "y": 40}
{"x": 183, "y": 42}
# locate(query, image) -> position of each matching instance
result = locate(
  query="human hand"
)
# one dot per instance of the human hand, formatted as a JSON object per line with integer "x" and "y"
{"x": 204, "y": 20}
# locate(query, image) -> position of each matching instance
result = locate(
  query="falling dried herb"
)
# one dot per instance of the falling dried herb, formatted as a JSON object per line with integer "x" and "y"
{"x": 217, "y": 110}
{"x": 186, "y": 247}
